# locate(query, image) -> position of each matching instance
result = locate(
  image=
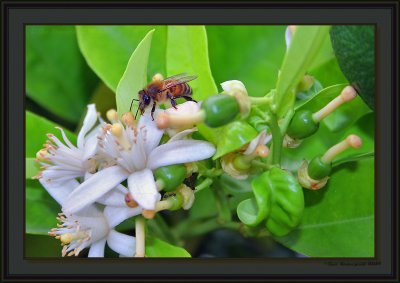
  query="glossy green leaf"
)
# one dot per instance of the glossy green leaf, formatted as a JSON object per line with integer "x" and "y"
{"x": 278, "y": 199}
{"x": 41, "y": 209}
{"x": 355, "y": 50}
{"x": 338, "y": 220}
{"x": 57, "y": 77}
{"x": 107, "y": 49}
{"x": 134, "y": 77}
{"x": 36, "y": 130}
{"x": 234, "y": 136}
{"x": 31, "y": 168}
{"x": 365, "y": 129}
{"x": 41, "y": 246}
{"x": 304, "y": 47}
{"x": 204, "y": 205}
{"x": 329, "y": 73}
{"x": 187, "y": 52}
{"x": 251, "y": 54}
{"x": 158, "y": 248}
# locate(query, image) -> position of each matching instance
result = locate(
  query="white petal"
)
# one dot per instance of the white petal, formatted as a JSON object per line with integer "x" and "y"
{"x": 143, "y": 189}
{"x": 117, "y": 214}
{"x": 182, "y": 134}
{"x": 262, "y": 138}
{"x": 94, "y": 187}
{"x": 234, "y": 86}
{"x": 97, "y": 249}
{"x": 91, "y": 144}
{"x": 188, "y": 107}
{"x": 59, "y": 190}
{"x": 288, "y": 37}
{"x": 121, "y": 243}
{"x": 178, "y": 152}
{"x": 149, "y": 132}
{"x": 88, "y": 123}
{"x": 115, "y": 197}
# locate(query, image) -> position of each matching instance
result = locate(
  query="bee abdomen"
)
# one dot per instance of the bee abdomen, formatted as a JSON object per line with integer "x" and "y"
{"x": 186, "y": 90}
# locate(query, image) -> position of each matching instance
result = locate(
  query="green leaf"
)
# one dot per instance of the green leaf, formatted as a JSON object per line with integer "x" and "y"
{"x": 117, "y": 44}
{"x": 187, "y": 51}
{"x": 204, "y": 205}
{"x": 234, "y": 136}
{"x": 41, "y": 246}
{"x": 278, "y": 199}
{"x": 31, "y": 168}
{"x": 134, "y": 77}
{"x": 36, "y": 130}
{"x": 251, "y": 54}
{"x": 338, "y": 220}
{"x": 304, "y": 47}
{"x": 355, "y": 50}
{"x": 57, "y": 77}
{"x": 158, "y": 248}
{"x": 329, "y": 73}
{"x": 41, "y": 210}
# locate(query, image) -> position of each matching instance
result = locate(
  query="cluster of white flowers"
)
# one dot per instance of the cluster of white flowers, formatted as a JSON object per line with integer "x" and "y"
{"x": 86, "y": 180}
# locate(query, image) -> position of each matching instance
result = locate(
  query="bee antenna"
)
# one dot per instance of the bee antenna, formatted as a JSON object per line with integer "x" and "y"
{"x": 134, "y": 99}
{"x": 136, "y": 113}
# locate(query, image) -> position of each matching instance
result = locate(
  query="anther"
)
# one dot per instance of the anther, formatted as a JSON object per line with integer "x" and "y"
{"x": 128, "y": 119}
{"x": 112, "y": 116}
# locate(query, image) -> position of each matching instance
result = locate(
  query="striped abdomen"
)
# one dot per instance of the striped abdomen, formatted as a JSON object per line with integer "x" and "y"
{"x": 181, "y": 90}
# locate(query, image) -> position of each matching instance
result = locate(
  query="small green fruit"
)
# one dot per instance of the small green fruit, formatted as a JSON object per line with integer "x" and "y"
{"x": 317, "y": 169}
{"x": 171, "y": 176}
{"x": 302, "y": 125}
{"x": 220, "y": 109}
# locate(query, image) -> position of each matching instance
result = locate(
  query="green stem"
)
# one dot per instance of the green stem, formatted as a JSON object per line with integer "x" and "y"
{"x": 260, "y": 100}
{"x": 203, "y": 227}
{"x": 277, "y": 140}
{"x": 286, "y": 121}
{"x": 204, "y": 184}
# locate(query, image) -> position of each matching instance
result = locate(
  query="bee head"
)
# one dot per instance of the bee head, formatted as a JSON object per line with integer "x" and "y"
{"x": 145, "y": 98}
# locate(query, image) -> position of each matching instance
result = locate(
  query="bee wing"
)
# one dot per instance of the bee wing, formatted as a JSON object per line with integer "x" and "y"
{"x": 177, "y": 80}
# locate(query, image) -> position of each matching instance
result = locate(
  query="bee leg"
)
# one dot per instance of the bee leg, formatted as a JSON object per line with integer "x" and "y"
{"x": 173, "y": 102}
{"x": 152, "y": 110}
{"x": 188, "y": 98}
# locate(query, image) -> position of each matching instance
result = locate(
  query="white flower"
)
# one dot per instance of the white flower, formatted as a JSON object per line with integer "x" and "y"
{"x": 135, "y": 152}
{"x": 90, "y": 228}
{"x": 63, "y": 163}
{"x": 184, "y": 109}
{"x": 288, "y": 35}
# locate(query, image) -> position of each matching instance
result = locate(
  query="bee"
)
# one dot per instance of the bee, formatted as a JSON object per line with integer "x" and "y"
{"x": 159, "y": 91}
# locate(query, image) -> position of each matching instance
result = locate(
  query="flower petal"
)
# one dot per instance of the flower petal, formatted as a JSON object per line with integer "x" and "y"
{"x": 262, "y": 138}
{"x": 149, "y": 132}
{"x": 121, "y": 243}
{"x": 59, "y": 190}
{"x": 88, "y": 123}
{"x": 181, "y": 151}
{"x": 143, "y": 189}
{"x": 288, "y": 37}
{"x": 115, "y": 197}
{"x": 182, "y": 134}
{"x": 97, "y": 249}
{"x": 91, "y": 143}
{"x": 188, "y": 107}
{"x": 117, "y": 214}
{"x": 94, "y": 187}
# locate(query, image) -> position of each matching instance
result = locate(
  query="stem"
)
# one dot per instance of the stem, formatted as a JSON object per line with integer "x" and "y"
{"x": 286, "y": 121}
{"x": 260, "y": 100}
{"x": 205, "y": 226}
{"x": 277, "y": 140}
{"x": 140, "y": 226}
{"x": 204, "y": 184}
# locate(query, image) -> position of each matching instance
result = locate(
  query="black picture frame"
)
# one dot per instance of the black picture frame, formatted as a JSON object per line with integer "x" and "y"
{"x": 15, "y": 15}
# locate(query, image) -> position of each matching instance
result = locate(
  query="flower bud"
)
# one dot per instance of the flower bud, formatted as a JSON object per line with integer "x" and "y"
{"x": 170, "y": 177}
{"x": 220, "y": 109}
{"x": 238, "y": 90}
{"x": 188, "y": 196}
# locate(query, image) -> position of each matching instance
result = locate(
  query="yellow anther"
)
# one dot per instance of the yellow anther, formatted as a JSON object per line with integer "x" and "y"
{"x": 112, "y": 115}
{"x": 42, "y": 154}
{"x": 66, "y": 238}
{"x": 262, "y": 150}
{"x": 128, "y": 119}
{"x": 149, "y": 214}
{"x": 157, "y": 77}
{"x": 117, "y": 130}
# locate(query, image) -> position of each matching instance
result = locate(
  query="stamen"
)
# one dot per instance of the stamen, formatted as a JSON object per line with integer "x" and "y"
{"x": 129, "y": 201}
{"x": 128, "y": 119}
{"x": 148, "y": 214}
{"x": 112, "y": 116}
{"x": 118, "y": 131}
